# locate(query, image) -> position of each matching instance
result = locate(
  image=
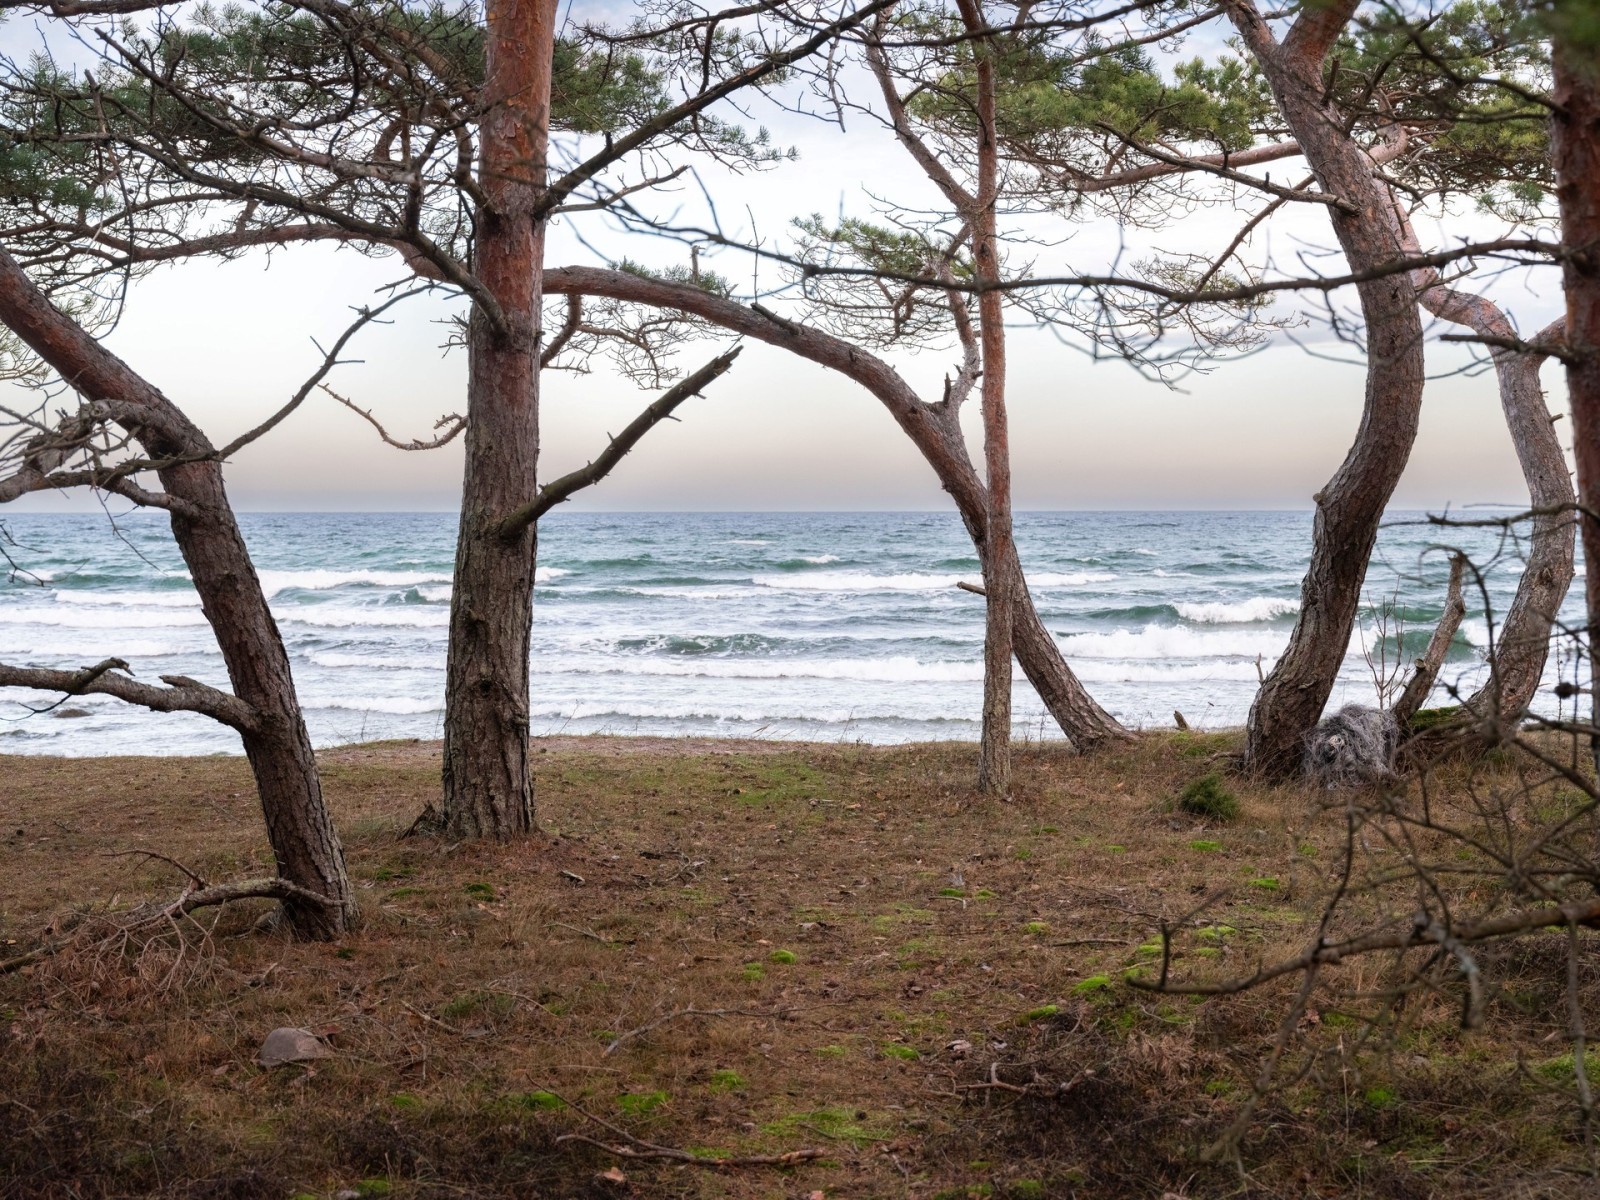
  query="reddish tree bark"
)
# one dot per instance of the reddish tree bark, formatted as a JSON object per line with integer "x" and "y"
{"x": 275, "y": 739}
{"x": 994, "y": 751}
{"x": 488, "y": 789}
{"x": 1351, "y": 505}
{"x": 1575, "y": 151}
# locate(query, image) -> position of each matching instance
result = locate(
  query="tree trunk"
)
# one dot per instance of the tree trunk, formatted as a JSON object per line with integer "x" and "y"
{"x": 1350, "y": 507}
{"x": 999, "y": 551}
{"x": 1575, "y": 151}
{"x": 934, "y": 431}
{"x": 488, "y": 789}
{"x": 1524, "y": 638}
{"x": 1523, "y": 644}
{"x": 277, "y": 744}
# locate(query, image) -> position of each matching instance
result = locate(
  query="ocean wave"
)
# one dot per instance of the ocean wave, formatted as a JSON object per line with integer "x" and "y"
{"x": 274, "y": 582}
{"x": 1175, "y": 642}
{"x": 70, "y": 616}
{"x": 682, "y": 592}
{"x": 121, "y": 647}
{"x": 697, "y": 644}
{"x": 378, "y": 662}
{"x": 897, "y": 669}
{"x": 1218, "y": 671}
{"x": 747, "y": 542}
{"x": 399, "y": 706}
{"x": 1236, "y": 612}
{"x": 818, "y": 560}
{"x": 861, "y": 581}
{"x": 329, "y": 617}
{"x": 188, "y": 599}
{"x": 700, "y": 711}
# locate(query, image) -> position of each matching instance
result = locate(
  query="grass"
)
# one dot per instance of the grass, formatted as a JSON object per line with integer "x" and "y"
{"x": 800, "y": 891}
{"x": 1210, "y": 798}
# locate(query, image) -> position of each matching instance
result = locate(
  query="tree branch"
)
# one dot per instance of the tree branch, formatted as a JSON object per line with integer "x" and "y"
{"x": 1427, "y": 668}
{"x": 558, "y": 191}
{"x": 455, "y": 422}
{"x": 560, "y": 490}
{"x": 181, "y": 695}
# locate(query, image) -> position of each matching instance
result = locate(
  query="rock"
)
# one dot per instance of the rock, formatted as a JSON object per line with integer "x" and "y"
{"x": 285, "y": 1046}
{"x": 67, "y": 714}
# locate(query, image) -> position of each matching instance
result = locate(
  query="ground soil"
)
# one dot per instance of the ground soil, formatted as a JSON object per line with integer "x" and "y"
{"x": 732, "y": 948}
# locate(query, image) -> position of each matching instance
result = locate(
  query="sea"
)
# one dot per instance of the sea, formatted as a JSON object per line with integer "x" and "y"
{"x": 837, "y": 627}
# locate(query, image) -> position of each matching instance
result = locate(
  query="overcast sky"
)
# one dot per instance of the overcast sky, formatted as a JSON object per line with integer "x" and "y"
{"x": 231, "y": 341}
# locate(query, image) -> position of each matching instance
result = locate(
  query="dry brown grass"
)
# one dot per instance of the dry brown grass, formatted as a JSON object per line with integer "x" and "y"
{"x": 916, "y": 916}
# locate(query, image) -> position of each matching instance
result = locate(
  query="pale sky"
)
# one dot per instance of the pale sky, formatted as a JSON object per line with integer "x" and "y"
{"x": 231, "y": 341}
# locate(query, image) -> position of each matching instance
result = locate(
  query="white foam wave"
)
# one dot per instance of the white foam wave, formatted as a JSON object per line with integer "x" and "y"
{"x": 746, "y": 542}
{"x": 273, "y": 582}
{"x": 896, "y": 669}
{"x": 413, "y": 616}
{"x": 861, "y": 581}
{"x": 1238, "y": 612}
{"x": 130, "y": 599}
{"x": 1175, "y": 642}
{"x": 400, "y": 706}
{"x": 121, "y": 647}
{"x": 1069, "y": 578}
{"x": 685, "y": 592}
{"x": 1218, "y": 671}
{"x": 546, "y": 574}
{"x": 585, "y": 710}
{"x": 818, "y": 560}
{"x": 70, "y": 616}
{"x": 379, "y": 662}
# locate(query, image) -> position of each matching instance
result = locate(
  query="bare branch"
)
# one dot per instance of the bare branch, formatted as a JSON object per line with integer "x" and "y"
{"x": 455, "y": 422}
{"x": 559, "y": 491}
{"x": 181, "y": 695}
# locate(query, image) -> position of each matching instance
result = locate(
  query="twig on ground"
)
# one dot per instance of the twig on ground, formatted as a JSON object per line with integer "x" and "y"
{"x": 692, "y": 1012}
{"x": 589, "y": 933}
{"x": 638, "y": 1148}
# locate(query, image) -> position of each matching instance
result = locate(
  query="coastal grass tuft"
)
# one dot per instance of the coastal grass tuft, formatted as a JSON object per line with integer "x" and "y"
{"x": 1210, "y": 798}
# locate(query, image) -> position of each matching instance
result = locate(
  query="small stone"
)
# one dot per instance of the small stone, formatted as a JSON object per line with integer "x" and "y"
{"x": 960, "y": 1048}
{"x": 285, "y": 1046}
{"x": 68, "y": 714}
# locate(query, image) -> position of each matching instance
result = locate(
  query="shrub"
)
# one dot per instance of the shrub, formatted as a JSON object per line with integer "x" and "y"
{"x": 1209, "y": 797}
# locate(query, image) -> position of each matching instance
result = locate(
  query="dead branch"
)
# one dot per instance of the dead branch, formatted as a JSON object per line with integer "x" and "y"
{"x": 638, "y": 1148}
{"x": 1428, "y": 666}
{"x": 330, "y": 360}
{"x": 181, "y": 695}
{"x": 455, "y": 421}
{"x": 1425, "y": 931}
{"x": 147, "y": 916}
{"x": 691, "y": 1011}
{"x": 560, "y": 490}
